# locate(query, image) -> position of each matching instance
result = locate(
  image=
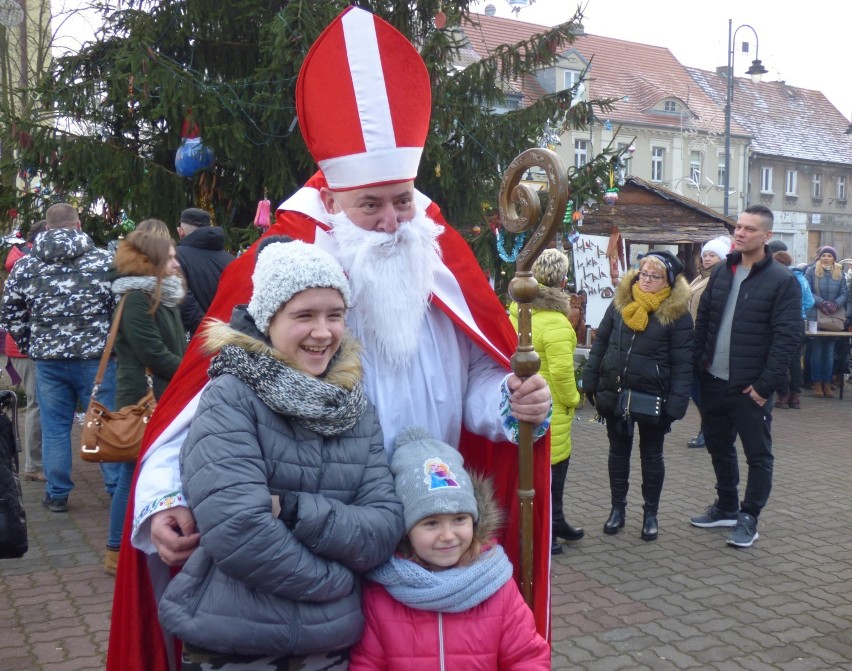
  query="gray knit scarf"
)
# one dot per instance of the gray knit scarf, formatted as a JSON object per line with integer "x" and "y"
{"x": 452, "y": 591}
{"x": 314, "y": 403}
{"x": 172, "y": 290}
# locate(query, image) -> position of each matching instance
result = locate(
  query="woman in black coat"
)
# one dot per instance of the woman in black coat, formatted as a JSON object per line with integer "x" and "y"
{"x": 643, "y": 344}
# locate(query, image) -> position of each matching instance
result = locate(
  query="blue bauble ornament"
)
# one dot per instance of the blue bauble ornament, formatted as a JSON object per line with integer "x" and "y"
{"x": 192, "y": 157}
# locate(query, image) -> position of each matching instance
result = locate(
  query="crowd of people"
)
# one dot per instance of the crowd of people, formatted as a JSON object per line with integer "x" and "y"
{"x": 329, "y": 478}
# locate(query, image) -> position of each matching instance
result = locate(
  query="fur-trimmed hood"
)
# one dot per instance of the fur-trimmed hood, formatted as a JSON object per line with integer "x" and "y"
{"x": 671, "y": 309}
{"x": 345, "y": 370}
{"x": 491, "y": 517}
{"x": 552, "y": 298}
{"x": 129, "y": 261}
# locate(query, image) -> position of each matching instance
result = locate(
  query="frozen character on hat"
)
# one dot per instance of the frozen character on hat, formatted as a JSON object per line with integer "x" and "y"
{"x": 436, "y": 346}
{"x": 446, "y": 599}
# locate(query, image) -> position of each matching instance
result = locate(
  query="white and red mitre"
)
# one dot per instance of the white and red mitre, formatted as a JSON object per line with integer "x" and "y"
{"x": 363, "y": 100}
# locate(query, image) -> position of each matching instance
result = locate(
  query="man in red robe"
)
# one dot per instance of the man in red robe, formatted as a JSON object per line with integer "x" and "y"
{"x": 436, "y": 339}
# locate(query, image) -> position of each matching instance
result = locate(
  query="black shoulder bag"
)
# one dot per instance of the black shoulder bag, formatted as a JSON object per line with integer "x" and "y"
{"x": 634, "y": 405}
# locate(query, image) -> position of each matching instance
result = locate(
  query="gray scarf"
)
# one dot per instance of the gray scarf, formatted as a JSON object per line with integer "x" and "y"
{"x": 452, "y": 591}
{"x": 172, "y": 290}
{"x": 313, "y": 402}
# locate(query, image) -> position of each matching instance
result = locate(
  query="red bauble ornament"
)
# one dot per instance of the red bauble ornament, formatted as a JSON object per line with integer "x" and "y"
{"x": 440, "y": 20}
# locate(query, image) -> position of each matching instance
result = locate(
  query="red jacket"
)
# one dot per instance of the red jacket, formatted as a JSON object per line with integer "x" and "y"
{"x": 136, "y": 642}
{"x": 17, "y": 252}
{"x": 497, "y": 635}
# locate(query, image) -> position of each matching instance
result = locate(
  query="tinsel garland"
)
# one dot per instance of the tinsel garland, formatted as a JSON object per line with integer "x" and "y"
{"x": 512, "y": 256}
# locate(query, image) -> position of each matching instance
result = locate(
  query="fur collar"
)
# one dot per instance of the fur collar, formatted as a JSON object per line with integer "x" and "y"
{"x": 130, "y": 261}
{"x": 552, "y": 298}
{"x": 671, "y": 309}
{"x": 345, "y": 370}
{"x": 491, "y": 518}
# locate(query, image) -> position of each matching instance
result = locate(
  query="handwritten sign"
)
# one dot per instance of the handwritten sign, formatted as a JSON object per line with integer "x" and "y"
{"x": 593, "y": 274}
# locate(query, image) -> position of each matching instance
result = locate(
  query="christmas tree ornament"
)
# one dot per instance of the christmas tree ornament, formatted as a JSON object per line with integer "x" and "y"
{"x": 262, "y": 218}
{"x": 192, "y": 156}
{"x": 476, "y": 230}
{"x": 440, "y": 18}
{"x": 611, "y": 195}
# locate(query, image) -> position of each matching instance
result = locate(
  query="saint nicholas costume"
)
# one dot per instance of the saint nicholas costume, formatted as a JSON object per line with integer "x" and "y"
{"x": 363, "y": 101}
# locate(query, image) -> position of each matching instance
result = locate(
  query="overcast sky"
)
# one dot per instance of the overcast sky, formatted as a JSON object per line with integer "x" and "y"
{"x": 802, "y": 43}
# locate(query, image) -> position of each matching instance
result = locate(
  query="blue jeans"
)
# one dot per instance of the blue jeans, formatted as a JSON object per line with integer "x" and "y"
{"x": 119, "y": 503}
{"x": 822, "y": 359}
{"x": 62, "y": 385}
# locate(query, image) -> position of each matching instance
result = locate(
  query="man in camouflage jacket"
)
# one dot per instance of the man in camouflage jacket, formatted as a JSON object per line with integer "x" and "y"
{"x": 57, "y": 306}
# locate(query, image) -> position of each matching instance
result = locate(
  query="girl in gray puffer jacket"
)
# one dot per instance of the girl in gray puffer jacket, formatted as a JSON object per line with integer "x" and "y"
{"x": 286, "y": 474}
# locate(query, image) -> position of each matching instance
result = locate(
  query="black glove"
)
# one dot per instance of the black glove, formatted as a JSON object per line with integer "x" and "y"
{"x": 289, "y": 509}
{"x": 591, "y": 396}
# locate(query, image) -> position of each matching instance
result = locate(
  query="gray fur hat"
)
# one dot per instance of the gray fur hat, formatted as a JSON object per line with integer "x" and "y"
{"x": 429, "y": 478}
{"x": 284, "y": 267}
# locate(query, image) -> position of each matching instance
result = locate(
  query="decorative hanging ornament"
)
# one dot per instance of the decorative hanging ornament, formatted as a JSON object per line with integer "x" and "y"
{"x": 440, "y": 20}
{"x": 476, "y": 230}
{"x": 192, "y": 156}
{"x": 611, "y": 195}
{"x": 512, "y": 256}
{"x": 262, "y": 218}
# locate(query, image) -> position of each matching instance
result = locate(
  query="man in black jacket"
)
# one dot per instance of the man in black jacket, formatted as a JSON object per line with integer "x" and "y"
{"x": 202, "y": 256}
{"x": 748, "y": 328}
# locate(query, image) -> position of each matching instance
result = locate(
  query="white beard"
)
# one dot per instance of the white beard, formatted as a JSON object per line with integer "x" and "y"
{"x": 391, "y": 275}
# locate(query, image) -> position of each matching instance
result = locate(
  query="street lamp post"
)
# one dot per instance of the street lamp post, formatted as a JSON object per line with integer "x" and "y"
{"x": 756, "y": 71}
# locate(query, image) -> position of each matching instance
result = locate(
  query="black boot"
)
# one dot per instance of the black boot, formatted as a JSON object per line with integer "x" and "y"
{"x": 561, "y": 528}
{"x": 650, "y": 529}
{"x": 615, "y": 523}
{"x": 565, "y": 531}
{"x": 698, "y": 441}
{"x": 619, "y": 474}
{"x": 653, "y": 474}
{"x": 555, "y": 547}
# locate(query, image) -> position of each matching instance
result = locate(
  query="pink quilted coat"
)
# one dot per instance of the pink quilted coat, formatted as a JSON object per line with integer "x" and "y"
{"x": 497, "y": 635}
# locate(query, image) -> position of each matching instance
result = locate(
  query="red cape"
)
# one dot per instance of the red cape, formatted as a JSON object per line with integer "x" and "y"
{"x": 136, "y": 641}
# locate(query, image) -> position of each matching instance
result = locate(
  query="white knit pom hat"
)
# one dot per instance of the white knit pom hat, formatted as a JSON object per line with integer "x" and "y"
{"x": 285, "y": 267}
{"x": 720, "y": 246}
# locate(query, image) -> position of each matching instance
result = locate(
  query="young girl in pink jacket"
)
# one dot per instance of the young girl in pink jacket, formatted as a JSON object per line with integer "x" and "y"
{"x": 446, "y": 600}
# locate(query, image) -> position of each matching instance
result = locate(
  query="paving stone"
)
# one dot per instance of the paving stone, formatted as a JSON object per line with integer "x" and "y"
{"x": 685, "y": 602}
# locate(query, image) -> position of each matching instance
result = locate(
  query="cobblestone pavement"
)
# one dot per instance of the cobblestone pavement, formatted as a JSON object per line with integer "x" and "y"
{"x": 686, "y": 601}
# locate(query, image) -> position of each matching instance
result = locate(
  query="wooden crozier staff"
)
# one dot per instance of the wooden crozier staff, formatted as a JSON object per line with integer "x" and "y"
{"x": 520, "y": 210}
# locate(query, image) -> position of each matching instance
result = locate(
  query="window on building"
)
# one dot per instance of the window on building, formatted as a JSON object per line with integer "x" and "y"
{"x": 570, "y": 78}
{"x": 658, "y": 155}
{"x": 695, "y": 166}
{"x": 626, "y": 159}
{"x": 790, "y": 185}
{"x": 766, "y": 179}
{"x": 581, "y": 153}
{"x": 841, "y": 187}
{"x": 720, "y": 170}
{"x": 816, "y": 186}
{"x": 670, "y": 106}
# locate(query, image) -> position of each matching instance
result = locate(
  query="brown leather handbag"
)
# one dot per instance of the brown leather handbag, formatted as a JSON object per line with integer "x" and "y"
{"x": 115, "y": 435}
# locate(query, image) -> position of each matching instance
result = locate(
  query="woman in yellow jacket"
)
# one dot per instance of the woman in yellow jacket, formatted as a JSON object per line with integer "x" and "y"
{"x": 555, "y": 341}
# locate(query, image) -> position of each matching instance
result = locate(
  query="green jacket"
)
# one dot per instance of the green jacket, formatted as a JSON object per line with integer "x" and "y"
{"x": 157, "y": 341}
{"x": 554, "y": 341}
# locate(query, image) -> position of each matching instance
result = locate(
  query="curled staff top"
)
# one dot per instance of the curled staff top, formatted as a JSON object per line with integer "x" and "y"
{"x": 520, "y": 208}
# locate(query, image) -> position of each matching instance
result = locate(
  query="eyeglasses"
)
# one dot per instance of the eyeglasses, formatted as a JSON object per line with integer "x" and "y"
{"x": 649, "y": 276}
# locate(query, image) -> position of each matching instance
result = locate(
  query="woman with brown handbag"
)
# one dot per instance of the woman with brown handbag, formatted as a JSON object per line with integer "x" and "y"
{"x": 150, "y": 336}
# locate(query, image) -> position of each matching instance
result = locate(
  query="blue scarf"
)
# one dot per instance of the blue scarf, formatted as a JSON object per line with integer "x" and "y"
{"x": 452, "y": 591}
